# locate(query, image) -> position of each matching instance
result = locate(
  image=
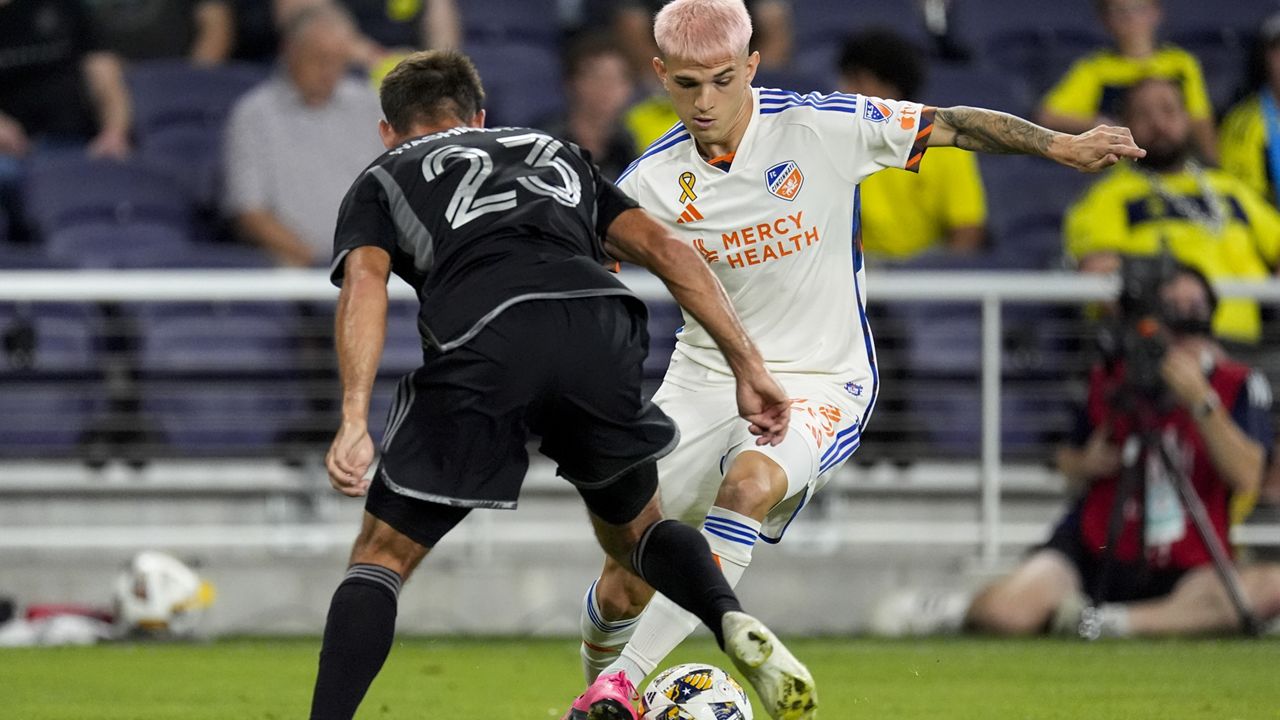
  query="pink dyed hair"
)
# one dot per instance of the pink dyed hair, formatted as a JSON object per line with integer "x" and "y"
{"x": 704, "y": 31}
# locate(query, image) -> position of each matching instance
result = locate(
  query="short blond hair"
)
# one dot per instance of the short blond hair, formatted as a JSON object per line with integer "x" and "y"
{"x": 704, "y": 31}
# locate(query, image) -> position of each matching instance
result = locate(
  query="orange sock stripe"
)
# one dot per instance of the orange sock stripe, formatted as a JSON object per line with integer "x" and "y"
{"x": 601, "y": 649}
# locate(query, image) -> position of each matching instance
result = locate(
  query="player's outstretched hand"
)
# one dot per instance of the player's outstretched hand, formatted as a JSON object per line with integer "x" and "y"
{"x": 763, "y": 403}
{"x": 349, "y": 459}
{"x": 1097, "y": 149}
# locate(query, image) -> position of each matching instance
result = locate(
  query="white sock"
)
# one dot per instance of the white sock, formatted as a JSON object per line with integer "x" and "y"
{"x": 602, "y": 639}
{"x": 1113, "y": 619}
{"x": 664, "y": 625}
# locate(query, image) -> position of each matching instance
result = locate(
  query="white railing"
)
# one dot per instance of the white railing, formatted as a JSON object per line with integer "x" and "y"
{"x": 989, "y": 290}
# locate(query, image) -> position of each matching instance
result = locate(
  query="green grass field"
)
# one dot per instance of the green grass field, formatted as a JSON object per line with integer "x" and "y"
{"x": 461, "y": 679}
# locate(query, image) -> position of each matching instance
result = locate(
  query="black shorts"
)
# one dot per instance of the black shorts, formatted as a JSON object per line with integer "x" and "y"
{"x": 569, "y": 371}
{"x": 1126, "y": 581}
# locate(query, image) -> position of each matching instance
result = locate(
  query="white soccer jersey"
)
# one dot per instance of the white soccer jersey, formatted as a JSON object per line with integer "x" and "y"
{"x": 780, "y": 227}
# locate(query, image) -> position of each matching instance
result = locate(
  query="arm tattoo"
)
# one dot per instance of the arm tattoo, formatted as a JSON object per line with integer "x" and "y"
{"x": 995, "y": 132}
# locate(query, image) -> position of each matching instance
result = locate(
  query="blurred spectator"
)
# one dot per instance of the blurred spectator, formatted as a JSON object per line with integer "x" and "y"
{"x": 906, "y": 214}
{"x": 772, "y": 37}
{"x": 56, "y": 90}
{"x": 598, "y": 86}
{"x": 202, "y": 30}
{"x": 295, "y": 143}
{"x": 388, "y": 29}
{"x": 1212, "y": 413}
{"x": 1251, "y": 130}
{"x": 1092, "y": 89}
{"x": 1207, "y": 218}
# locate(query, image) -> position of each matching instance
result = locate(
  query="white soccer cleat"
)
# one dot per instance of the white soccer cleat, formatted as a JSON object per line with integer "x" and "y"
{"x": 915, "y": 613}
{"x": 783, "y": 683}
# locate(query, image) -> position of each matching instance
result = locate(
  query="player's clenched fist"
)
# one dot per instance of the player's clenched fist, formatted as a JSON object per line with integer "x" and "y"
{"x": 1097, "y": 149}
{"x": 349, "y": 459}
{"x": 763, "y": 403}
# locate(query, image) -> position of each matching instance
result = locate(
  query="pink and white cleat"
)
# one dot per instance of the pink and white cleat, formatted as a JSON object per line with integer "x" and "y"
{"x": 610, "y": 697}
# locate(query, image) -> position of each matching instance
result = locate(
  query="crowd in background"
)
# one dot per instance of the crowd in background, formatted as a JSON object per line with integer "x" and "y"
{"x": 224, "y": 133}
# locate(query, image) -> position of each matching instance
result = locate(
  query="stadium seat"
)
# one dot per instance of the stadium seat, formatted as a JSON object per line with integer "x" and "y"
{"x": 949, "y": 414}
{"x": 522, "y": 82}
{"x": 794, "y": 80}
{"x": 1033, "y": 39}
{"x": 402, "y": 352}
{"x": 14, "y": 256}
{"x": 1238, "y": 17}
{"x": 220, "y": 378}
{"x": 72, "y": 189}
{"x": 665, "y": 319}
{"x": 208, "y": 256}
{"x": 511, "y": 21}
{"x": 50, "y": 378}
{"x": 1016, "y": 212}
{"x": 976, "y": 86}
{"x": 821, "y": 27}
{"x": 179, "y": 113}
{"x": 110, "y": 245}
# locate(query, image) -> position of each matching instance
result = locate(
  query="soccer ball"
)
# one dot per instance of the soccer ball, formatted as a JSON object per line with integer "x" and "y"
{"x": 158, "y": 595}
{"x": 695, "y": 692}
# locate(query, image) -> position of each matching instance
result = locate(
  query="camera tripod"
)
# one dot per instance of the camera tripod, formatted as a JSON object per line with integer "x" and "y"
{"x": 1132, "y": 480}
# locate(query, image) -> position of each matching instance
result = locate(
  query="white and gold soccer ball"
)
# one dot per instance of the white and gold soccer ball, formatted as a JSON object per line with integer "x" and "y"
{"x": 695, "y": 692}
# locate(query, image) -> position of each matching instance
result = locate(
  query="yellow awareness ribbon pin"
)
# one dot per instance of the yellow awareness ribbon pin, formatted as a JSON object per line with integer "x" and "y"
{"x": 687, "y": 181}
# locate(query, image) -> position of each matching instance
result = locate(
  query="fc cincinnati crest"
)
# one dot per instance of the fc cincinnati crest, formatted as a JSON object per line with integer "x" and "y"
{"x": 875, "y": 111}
{"x": 784, "y": 180}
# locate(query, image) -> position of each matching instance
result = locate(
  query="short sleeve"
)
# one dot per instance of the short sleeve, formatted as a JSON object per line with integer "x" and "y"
{"x": 364, "y": 219}
{"x": 866, "y": 134}
{"x": 1199, "y": 107}
{"x": 1096, "y": 223}
{"x": 1252, "y": 411}
{"x": 246, "y": 166}
{"x": 965, "y": 200}
{"x": 1076, "y": 95}
{"x": 610, "y": 203}
{"x": 1264, "y": 223}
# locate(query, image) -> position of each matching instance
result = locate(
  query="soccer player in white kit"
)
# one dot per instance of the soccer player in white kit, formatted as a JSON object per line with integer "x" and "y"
{"x": 764, "y": 185}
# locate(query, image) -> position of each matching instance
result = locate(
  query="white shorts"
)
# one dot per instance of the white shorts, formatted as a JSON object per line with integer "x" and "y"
{"x": 826, "y": 426}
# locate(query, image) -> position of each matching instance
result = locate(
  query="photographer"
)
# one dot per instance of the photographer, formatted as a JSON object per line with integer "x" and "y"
{"x": 1212, "y": 413}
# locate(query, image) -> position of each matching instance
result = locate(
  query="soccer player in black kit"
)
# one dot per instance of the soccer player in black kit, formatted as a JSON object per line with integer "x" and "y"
{"x": 504, "y": 234}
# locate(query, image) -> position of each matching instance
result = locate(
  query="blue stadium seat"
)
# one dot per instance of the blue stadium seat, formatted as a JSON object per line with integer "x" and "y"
{"x": 207, "y": 256}
{"x": 402, "y": 352}
{"x": 1033, "y": 39}
{"x": 794, "y": 80}
{"x": 977, "y": 86}
{"x": 522, "y": 82}
{"x": 821, "y": 27}
{"x": 1015, "y": 211}
{"x": 1181, "y": 16}
{"x": 110, "y": 245}
{"x": 14, "y": 256}
{"x": 218, "y": 378}
{"x": 179, "y": 113}
{"x": 665, "y": 319}
{"x": 949, "y": 416}
{"x": 511, "y": 21}
{"x": 51, "y": 388}
{"x": 72, "y": 189}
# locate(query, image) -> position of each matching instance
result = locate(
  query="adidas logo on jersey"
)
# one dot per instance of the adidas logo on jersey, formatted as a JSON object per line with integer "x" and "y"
{"x": 689, "y": 215}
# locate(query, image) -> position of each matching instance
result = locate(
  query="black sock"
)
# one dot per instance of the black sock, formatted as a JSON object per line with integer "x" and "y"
{"x": 357, "y": 638}
{"x": 676, "y": 560}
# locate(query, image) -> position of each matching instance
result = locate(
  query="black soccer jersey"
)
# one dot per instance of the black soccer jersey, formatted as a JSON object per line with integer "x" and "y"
{"x": 477, "y": 220}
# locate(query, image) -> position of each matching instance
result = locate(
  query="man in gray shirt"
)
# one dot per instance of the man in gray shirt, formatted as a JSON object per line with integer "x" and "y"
{"x": 294, "y": 142}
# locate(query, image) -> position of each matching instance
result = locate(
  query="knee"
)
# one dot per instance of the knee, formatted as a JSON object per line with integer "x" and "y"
{"x": 621, "y": 595}
{"x": 753, "y": 486}
{"x": 394, "y": 552}
{"x": 1000, "y": 612}
{"x": 1266, "y": 595}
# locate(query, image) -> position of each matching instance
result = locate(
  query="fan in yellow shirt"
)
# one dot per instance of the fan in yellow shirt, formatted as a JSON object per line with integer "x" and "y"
{"x": 1251, "y": 131}
{"x": 1205, "y": 217}
{"x": 906, "y": 214}
{"x": 1091, "y": 91}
